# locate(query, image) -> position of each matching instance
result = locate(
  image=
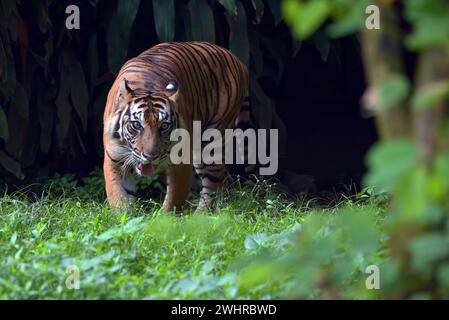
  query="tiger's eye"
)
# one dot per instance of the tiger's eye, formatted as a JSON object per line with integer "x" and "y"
{"x": 136, "y": 125}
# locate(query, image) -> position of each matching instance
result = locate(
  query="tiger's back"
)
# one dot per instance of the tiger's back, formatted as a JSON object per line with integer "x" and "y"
{"x": 213, "y": 82}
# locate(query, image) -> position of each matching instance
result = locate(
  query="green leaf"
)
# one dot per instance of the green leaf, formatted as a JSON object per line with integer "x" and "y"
{"x": 443, "y": 275}
{"x": 322, "y": 44}
{"x": 202, "y": 21}
{"x": 428, "y": 249}
{"x": 259, "y": 7}
{"x": 296, "y": 46}
{"x": 388, "y": 161}
{"x": 255, "y": 49}
{"x": 18, "y": 126}
{"x": 255, "y": 240}
{"x": 8, "y": 6}
{"x": 275, "y": 8}
{"x": 3, "y": 62}
{"x": 29, "y": 153}
{"x": 11, "y": 165}
{"x": 45, "y": 110}
{"x": 305, "y": 18}
{"x": 8, "y": 87}
{"x": 63, "y": 104}
{"x": 430, "y": 21}
{"x": 78, "y": 88}
{"x": 360, "y": 231}
{"x": 4, "y": 131}
{"x": 229, "y": 5}
{"x": 348, "y": 17}
{"x": 20, "y": 100}
{"x": 392, "y": 91}
{"x": 261, "y": 105}
{"x": 238, "y": 35}
{"x": 126, "y": 11}
{"x": 412, "y": 194}
{"x": 118, "y": 32}
{"x": 430, "y": 95}
{"x": 93, "y": 60}
{"x": 164, "y": 17}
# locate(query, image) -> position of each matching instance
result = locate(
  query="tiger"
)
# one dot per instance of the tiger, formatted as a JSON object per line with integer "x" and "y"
{"x": 165, "y": 88}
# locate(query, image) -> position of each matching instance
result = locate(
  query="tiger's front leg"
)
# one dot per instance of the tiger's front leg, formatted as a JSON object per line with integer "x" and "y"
{"x": 179, "y": 180}
{"x": 213, "y": 178}
{"x": 119, "y": 188}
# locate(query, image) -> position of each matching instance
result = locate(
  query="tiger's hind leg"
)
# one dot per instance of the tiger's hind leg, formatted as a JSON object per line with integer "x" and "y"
{"x": 214, "y": 179}
{"x": 244, "y": 122}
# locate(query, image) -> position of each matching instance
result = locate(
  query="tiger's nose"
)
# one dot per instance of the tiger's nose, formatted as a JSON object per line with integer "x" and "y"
{"x": 150, "y": 156}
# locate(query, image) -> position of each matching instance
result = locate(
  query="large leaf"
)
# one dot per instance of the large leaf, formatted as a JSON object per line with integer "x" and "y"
{"x": 427, "y": 249}
{"x": 4, "y": 131}
{"x": 322, "y": 44}
{"x": 202, "y": 21}
{"x": 430, "y": 20}
{"x": 256, "y": 52}
{"x": 63, "y": 103}
{"x": 238, "y": 35}
{"x": 230, "y": 5}
{"x": 164, "y": 18}
{"x": 3, "y": 62}
{"x": 118, "y": 32}
{"x": 8, "y": 6}
{"x": 18, "y": 127}
{"x": 305, "y": 17}
{"x": 11, "y": 165}
{"x": 388, "y": 161}
{"x": 32, "y": 145}
{"x": 93, "y": 60}
{"x": 261, "y": 105}
{"x": 45, "y": 108}
{"x": 275, "y": 48}
{"x": 412, "y": 194}
{"x": 21, "y": 101}
{"x": 8, "y": 87}
{"x": 259, "y": 7}
{"x": 348, "y": 16}
{"x": 392, "y": 91}
{"x": 78, "y": 88}
{"x": 275, "y": 8}
{"x": 126, "y": 12}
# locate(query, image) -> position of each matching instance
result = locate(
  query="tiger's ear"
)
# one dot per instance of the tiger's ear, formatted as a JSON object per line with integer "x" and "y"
{"x": 172, "y": 90}
{"x": 125, "y": 91}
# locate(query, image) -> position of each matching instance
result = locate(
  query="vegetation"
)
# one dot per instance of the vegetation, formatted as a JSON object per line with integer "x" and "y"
{"x": 54, "y": 81}
{"x": 411, "y": 108}
{"x": 143, "y": 253}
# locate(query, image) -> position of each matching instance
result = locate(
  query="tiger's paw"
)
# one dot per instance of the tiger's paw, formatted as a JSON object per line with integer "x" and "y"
{"x": 207, "y": 204}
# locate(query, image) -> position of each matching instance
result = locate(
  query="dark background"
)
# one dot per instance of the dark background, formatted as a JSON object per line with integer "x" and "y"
{"x": 315, "y": 86}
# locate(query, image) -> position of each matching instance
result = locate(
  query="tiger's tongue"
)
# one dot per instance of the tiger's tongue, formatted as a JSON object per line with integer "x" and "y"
{"x": 146, "y": 170}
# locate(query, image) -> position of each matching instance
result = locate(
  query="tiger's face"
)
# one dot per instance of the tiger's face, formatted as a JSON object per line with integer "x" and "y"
{"x": 145, "y": 125}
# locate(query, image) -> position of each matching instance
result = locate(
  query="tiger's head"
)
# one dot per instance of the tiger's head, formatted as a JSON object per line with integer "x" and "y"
{"x": 143, "y": 125}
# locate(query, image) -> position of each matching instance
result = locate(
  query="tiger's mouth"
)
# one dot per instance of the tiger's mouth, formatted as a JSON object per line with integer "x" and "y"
{"x": 148, "y": 168}
{"x": 145, "y": 169}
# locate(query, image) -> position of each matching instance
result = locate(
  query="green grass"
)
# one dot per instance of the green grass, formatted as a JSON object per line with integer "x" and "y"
{"x": 143, "y": 253}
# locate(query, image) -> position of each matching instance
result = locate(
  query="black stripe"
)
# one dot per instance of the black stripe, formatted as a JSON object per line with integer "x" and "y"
{"x": 130, "y": 192}
{"x": 181, "y": 54}
{"x": 211, "y": 177}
